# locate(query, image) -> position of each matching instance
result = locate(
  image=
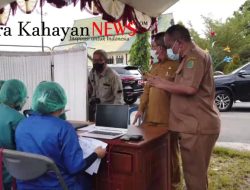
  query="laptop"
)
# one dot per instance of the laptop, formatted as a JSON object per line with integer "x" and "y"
{"x": 78, "y": 125}
{"x": 111, "y": 122}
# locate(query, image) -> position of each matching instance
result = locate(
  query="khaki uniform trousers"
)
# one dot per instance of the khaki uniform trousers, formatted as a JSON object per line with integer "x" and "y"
{"x": 196, "y": 151}
{"x": 174, "y": 155}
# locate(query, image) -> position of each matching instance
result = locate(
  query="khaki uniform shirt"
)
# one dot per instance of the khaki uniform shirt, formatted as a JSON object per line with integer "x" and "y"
{"x": 106, "y": 86}
{"x": 155, "y": 102}
{"x": 195, "y": 114}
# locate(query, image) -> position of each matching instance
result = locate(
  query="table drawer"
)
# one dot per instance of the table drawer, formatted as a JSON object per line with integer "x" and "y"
{"x": 121, "y": 162}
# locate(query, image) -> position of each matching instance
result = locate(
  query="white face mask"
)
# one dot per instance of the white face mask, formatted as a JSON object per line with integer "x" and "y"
{"x": 154, "y": 56}
{"x": 171, "y": 55}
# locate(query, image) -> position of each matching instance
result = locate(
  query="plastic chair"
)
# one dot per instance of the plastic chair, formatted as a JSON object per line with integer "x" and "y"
{"x": 28, "y": 166}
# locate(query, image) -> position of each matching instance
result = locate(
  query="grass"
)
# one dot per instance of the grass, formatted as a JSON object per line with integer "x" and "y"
{"x": 229, "y": 170}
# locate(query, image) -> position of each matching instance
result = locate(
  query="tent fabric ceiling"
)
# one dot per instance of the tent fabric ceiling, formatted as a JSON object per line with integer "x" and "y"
{"x": 5, "y": 2}
{"x": 128, "y": 11}
{"x": 152, "y": 8}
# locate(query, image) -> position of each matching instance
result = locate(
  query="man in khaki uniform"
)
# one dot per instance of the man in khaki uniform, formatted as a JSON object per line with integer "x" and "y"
{"x": 104, "y": 84}
{"x": 193, "y": 114}
{"x": 155, "y": 102}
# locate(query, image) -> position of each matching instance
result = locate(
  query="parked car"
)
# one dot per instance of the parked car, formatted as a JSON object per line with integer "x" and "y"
{"x": 232, "y": 87}
{"x": 218, "y": 73}
{"x": 132, "y": 81}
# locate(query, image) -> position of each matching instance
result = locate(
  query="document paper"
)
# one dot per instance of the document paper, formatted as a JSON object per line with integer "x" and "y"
{"x": 88, "y": 146}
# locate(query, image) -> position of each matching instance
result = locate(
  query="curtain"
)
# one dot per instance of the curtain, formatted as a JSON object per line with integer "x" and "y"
{"x": 29, "y": 67}
{"x": 70, "y": 71}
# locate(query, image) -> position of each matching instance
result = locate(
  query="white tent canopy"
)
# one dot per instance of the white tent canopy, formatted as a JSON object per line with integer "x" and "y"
{"x": 152, "y": 8}
{"x": 136, "y": 11}
{"x": 5, "y": 2}
{"x": 148, "y": 7}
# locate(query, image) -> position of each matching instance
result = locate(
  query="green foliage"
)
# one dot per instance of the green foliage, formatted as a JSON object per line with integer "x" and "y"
{"x": 203, "y": 43}
{"x": 220, "y": 151}
{"x": 228, "y": 170}
{"x": 233, "y": 65}
{"x": 139, "y": 52}
{"x": 241, "y": 21}
{"x": 228, "y": 38}
{"x": 229, "y": 68}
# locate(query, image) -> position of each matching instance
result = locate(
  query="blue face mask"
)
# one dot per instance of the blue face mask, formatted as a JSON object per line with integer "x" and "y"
{"x": 154, "y": 56}
{"x": 171, "y": 55}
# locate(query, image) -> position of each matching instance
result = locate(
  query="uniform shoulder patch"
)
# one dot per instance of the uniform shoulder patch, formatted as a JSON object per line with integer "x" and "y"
{"x": 190, "y": 63}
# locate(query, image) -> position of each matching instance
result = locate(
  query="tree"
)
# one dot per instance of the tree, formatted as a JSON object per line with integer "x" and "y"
{"x": 241, "y": 20}
{"x": 139, "y": 52}
{"x": 227, "y": 40}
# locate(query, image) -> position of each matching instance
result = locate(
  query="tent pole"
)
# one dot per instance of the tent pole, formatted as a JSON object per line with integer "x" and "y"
{"x": 41, "y": 25}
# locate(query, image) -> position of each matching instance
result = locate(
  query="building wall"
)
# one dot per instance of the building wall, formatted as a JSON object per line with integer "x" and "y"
{"x": 119, "y": 58}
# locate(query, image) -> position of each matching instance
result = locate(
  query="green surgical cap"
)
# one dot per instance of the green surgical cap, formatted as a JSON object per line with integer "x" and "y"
{"x": 1, "y": 83}
{"x": 48, "y": 97}
{"x": 13, "y": 93}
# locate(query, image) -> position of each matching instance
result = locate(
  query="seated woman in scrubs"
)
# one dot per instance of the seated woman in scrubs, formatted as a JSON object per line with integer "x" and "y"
{"x": 1, "y": 83}
{"x": 13, "y": 96}
{"x": 43, "y": 132}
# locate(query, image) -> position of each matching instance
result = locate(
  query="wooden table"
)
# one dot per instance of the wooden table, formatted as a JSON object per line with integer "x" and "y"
{"x": 143, "y": 165}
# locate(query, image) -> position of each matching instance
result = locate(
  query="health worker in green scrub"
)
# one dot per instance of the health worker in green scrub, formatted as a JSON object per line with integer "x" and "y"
{"x": 1, "y": 83}
{"x": 13, "y": 96}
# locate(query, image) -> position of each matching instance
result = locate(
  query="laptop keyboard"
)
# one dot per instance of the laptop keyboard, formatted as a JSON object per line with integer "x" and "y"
{"x": 105, "y": 133}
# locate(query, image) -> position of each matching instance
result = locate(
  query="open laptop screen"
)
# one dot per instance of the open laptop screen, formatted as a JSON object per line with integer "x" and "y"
{"x": 110, "y": 115}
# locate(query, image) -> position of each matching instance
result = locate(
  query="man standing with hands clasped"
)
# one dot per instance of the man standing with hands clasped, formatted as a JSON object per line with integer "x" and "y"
{"x": 104, "y": 84}
{"x": 193, "y": 113}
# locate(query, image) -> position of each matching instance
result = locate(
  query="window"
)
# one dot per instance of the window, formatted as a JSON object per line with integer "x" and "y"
{"x": 119, "y": 59}
{"x": 111, "y": 60}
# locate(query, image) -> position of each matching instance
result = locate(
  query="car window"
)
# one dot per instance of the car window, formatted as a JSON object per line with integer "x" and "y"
{"x": 242, "y": 67}
{"x": 123, "y": 71}
{"x": 120, "y": 71}
{"x": 133, "y": 72}
{"x": 247, "y": 68}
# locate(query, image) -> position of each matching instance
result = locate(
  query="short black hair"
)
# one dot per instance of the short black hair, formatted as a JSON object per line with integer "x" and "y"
{"x": 102, "y": 53}
{"x": 179, "y": 32}
{"x": 159, "y": 39}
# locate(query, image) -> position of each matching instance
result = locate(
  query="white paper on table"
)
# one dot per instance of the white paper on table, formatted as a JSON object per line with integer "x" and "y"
{"x": 88, "y": 146}
{"x": 134, "y": 130}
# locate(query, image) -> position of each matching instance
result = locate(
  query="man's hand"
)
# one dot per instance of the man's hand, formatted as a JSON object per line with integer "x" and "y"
{"x": 172, "y": 87}
{"x": 100, "y": 151}
{"x": 138, "y": 115}
{"x": 157, "y": 82}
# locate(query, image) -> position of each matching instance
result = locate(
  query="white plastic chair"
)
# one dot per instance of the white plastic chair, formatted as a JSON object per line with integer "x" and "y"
{"x": 28, "y": 166}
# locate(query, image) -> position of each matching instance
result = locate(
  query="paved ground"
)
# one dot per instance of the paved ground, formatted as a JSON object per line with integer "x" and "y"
{"x": 236, "y": 124}
{"x": 235, "y": 127}
{"x": 234, "y": 145}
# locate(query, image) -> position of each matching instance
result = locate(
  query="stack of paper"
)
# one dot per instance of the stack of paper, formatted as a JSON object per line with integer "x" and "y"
{"x": 88, "y": 146}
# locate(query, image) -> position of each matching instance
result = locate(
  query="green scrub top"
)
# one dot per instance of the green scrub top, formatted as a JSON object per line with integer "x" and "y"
{"x": 9, "y": 119}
